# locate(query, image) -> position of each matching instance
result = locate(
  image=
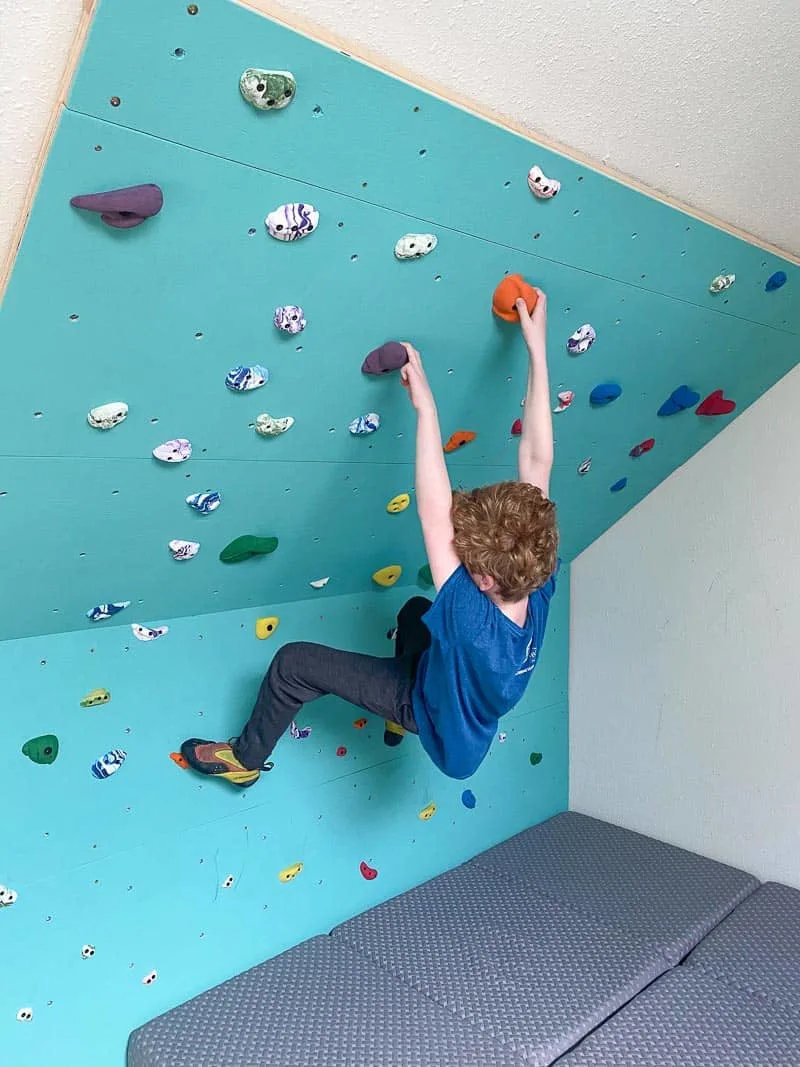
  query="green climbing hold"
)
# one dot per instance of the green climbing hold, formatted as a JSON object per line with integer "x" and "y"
{"x": 424, "y": 576}
{"x": 246, "y": 546}
{"x": 536, "y": 758}
{"x": 42, "y": 749}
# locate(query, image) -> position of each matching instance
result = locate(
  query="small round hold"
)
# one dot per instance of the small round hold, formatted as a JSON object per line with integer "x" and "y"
{"x": 289, "y": 318}
{"x": 192, "y": 9}
{"x": 7, "y": 897}
{"x": 266, "y": 627}
{"x": 150, "y": 978}
{"x": 268, "y": 90}
{"x": 115, "y": 101}
{"x": 87, "y": 952}
{"x": 468, "y": 799}
{"x": 228, "y": 882}
{"x": 535, "y": 758}
{"x": 721, "y": 282}
{"x": 24, "y": 1015}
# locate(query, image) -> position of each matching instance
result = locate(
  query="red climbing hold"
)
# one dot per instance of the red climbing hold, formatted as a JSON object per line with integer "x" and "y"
{"x": 368, "y": 872}
{"x": 644, "y": 446}
{"x": 516, "y": 427}
{"x": 341, "y": 751}
{"x": 716, "y": 404}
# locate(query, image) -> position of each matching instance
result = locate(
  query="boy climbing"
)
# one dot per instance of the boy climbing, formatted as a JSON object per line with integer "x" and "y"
{"x": 463, "y": 661}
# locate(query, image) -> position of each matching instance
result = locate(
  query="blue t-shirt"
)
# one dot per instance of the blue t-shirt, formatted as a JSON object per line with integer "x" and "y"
{"x": 476, "y": 669}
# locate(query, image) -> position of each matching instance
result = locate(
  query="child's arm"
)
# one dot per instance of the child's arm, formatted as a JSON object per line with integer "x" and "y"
{"x": 536, "y": 443}
{"x": 434, "y": 494}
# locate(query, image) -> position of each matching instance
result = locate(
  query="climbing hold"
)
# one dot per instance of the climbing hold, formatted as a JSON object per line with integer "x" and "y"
{"x": 87, "y": 952}
{"x": 679, "y": 400}
{"x": 468, "y": 799}
{"x": 267, "y": 90}
{"x": 535, "y": 758}
{"x": 246, "y": 546}
{"x": 148, "y": 633}
{"x": 415, "y": 245}
{"x": 24, "y": 1015}
{"x": 398, "y": 503}
{"x": 123, "y": 208}
{"x": 585, "y": 466}
{"x": 617, "y": 487}
{"x": 242, "y": 379}
{"x": 716, "y": 404}
{"x": 7, "y": 897}
{"x": 365, "y": 424}
{"x": 269, "y": 427}
{"x": 184, "y": 549}
{"x": 516, "y": 428}
{"x": 107, "y": 416}
{"x": 319, "y": 583}
{"x": 501, "y": 737}
{"x": 390, "y": 356}
{"x": 289, "y": 318}
{"x": 341, "y": 751}
{"x": 205, "y": 502}
{"x": 181, "y": 760}
{"x": 428, "y": 812}
{"x": 105, "y": 611}
{"x": 582, "y": 340}
{"x": 775, "y": 281}
{"x": 109, "y": 764}
{"x": 459, "y": 439}
{"x": 360, "y": 724}
{"x": 722, "y": 281}
{"x": 510, "y": 289}
{"x": 266, "y": 627}
{"x": 642, "y": 447}
{"x": 288, "y": 873}
{"x": 290, "y": 222}
{"x": 542, "y": 187}
{"x": 95, "y": 697}
{"x": 367, "y": 872}
{"x": 387, "y": 576}
{"x": 299, "y": 732}
{"x": 150, "y": 978}
{"x": 604, "y": 394}
{"x": 42, "y": 749}
{"x": 176, "y": 451}
{"x": 564, "y": 401}
{"x": 227, "y": 882}
{"x": 424, "y": 576}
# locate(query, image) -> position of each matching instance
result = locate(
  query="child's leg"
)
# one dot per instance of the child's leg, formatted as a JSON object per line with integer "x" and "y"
{"x": 412, "y": 637}
{"x": 302, "y": 672}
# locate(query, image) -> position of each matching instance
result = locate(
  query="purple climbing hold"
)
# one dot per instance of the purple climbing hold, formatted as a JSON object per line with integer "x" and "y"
{"x": 390, "y": 356}
{"x": 123, "y": 208}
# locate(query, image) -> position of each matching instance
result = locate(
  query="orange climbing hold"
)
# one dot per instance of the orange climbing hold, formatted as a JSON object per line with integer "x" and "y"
{"x": 459, "y": 439}
{"x": 182, "y": 762}
{"x": 510, "y": 289}
{"x": 360, "y": 724}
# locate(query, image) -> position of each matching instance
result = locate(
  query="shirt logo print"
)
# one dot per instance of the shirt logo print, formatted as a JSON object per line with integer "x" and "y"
{"x": 530, "y": 659}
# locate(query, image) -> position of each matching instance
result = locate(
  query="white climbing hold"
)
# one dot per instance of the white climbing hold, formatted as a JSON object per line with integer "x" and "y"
{"x": 268, "y": 90}
{"x": 7, "y": 897}
{"x": 564, "y": 401}
{"x": 228, "y": 882}
{"x": 176, "y": 451}
{"x": 365, "y": 424}
{"x": 586, "y": 466}
{"x": 415, "y": 245}
{"x": 109, "y": 763}
{"x": 289, "y": 318}
{"x": 150, "y": 978}
{"x": 87, "y": 952}
{"x": 148, "y": 633}
{"x": 107, "y": 416}
{"x": 205, "y": 502}
{"x": 184, "y": 549}
{"x": 290, "y": 222}
{"x": 501, "y": 737}
{"x": 582, "y": 340}
{"x": 269, "y": 427}
{"x": 24, "y": 1015}
{"x": 319, "y": 583}
{"x": 542, "y": 187}
{"x": 722, "y": 281}
{"x": 242, "y": 379}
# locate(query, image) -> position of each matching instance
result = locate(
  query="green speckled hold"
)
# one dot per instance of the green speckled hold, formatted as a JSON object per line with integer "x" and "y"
{"x": 424, "y": 576}
{"x": 42, "y": 749}
{"x": 536, "y": 758}
{"x": 246, "y": 546}
{"x": 268, "y": 90}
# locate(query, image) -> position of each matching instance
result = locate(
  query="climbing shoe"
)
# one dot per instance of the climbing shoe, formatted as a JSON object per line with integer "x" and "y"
{"x": 217, "y": 759}
{"x": 392, "y": 733}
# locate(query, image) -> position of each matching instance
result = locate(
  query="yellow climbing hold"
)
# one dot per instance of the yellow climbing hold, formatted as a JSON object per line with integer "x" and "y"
{"x": 387, "y": 576}
{"x": 97, "y": 696}
{"x": 288, "y": 873}
{"x": 398, "y": 503}
{"x": 428, "y": 813}
{"x": 266, "y": 627}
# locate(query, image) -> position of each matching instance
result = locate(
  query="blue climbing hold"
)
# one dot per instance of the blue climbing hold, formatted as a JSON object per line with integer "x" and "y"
{"x": 775, "y": 281}
{"x": 468, "y": 798}
{"x": 681, "y": 399}
{"x": 604, "y": 393}
{"x": 617, "y": 487}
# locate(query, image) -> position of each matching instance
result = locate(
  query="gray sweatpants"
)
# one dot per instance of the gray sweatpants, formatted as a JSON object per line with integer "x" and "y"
{"x": 301, "y": 672}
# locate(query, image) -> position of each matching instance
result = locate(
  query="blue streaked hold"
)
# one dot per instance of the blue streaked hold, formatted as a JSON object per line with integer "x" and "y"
{"x": 109, "y": 764}
{"x": 775, "y": 281}
{"x": 681, "y": 399}
{"x": 105, "y": 611}
{"x": 243, "y": 379}
{"x": 468, "y": 798}
{"x": 604, "y": 393}
{"x": 617, "y": 487}
{"x": 205, "y": 502}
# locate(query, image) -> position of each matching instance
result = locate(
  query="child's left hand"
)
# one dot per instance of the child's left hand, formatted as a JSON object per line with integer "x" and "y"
{"x": 413, "y": 380}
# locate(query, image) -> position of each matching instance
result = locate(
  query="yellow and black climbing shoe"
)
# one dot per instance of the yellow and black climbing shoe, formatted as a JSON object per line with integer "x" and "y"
{"x": 393, "y": 734}
{"x": 217, "y": 759}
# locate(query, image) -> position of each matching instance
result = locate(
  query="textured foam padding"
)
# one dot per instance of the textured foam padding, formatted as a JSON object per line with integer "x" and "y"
{"x": 317, "y": 1005}
{"x": 649, "y": 888}
{"x": 688, "y": 1018}
{"x": 758, "y": 946}
{"x": 534, "y": 973}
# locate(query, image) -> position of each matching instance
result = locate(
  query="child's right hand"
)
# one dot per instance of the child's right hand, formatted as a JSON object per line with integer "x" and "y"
{"x": 534, "y": 326}
{"x": 413, "y": 380}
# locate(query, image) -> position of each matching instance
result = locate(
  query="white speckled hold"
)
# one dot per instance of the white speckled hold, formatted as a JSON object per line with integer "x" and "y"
{"x": 319, "y": 583}
{"x": 269, "y": 427}
{"x": 107, "y": 416}
{"x": 415, "y": 245}
{"x": 542, "y": 187}
{"x": 721, "y": 282}
{"x": 184, "y": 549}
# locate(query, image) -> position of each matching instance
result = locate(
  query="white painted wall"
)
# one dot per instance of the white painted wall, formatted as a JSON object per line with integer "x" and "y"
{"x": 685, "y": 652}
{"x": 695, "y": 98}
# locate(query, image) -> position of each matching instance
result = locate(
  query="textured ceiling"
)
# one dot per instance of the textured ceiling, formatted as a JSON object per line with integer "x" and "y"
{"x": 694, "y": 98}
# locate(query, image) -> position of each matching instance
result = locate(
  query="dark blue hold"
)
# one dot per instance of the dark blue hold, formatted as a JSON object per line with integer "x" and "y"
{"x": 604, "y": 393}
{"x": 617, "y": 487}
{"x": 468, "y": 798}
{"x": 679, "y": 400}
{"x": 775, "y": 281}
